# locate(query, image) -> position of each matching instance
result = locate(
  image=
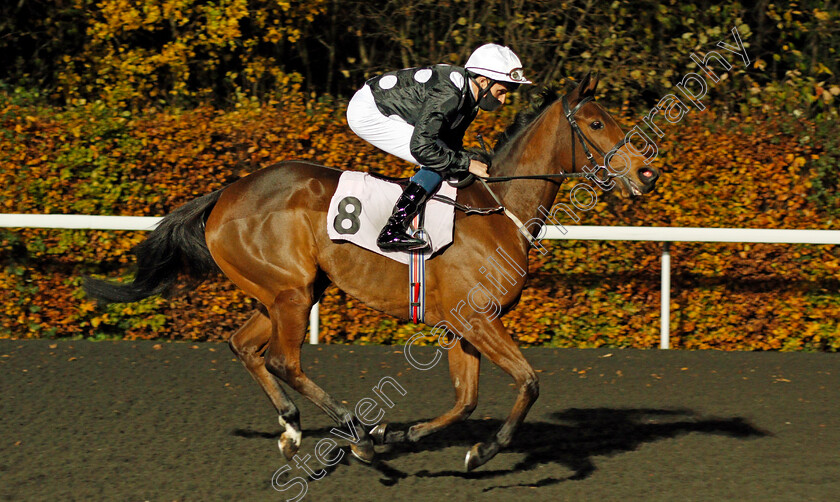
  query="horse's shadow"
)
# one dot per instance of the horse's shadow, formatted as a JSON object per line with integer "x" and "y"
{"x": 572, "y": 439}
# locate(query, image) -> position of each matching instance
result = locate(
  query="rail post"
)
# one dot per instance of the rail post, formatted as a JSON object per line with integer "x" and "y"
{"x": 665, "y": 315}
{"x": 313, "y": 323}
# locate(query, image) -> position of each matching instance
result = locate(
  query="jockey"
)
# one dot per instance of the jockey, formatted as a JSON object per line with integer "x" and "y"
{"x": 421, "y": 114}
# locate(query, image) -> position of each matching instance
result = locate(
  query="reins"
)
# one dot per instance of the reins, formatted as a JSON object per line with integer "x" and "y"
{"x": 490, "y": 210}
{"x": 546, "y": 177}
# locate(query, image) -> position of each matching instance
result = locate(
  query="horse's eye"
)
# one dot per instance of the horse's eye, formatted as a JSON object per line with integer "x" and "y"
{"x": 596, "y": 125}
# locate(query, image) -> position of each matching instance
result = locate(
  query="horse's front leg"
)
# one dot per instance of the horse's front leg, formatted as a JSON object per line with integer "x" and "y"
{"x": 464, "y": 361}
{"x": 491, "y": 338}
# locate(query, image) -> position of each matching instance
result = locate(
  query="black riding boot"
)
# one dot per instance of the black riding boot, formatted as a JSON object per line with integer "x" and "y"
{"x": 394, "y": 237}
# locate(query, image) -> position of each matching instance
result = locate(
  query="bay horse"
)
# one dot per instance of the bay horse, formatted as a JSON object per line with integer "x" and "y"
{"x": 267, "y": 233}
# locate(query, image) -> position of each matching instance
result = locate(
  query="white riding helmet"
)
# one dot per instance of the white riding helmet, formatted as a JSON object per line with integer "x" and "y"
{"x": 498, "y": 63}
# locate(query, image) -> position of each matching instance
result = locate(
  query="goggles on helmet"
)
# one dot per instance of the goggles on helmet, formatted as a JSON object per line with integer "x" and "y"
{"x": 514, "y": 75}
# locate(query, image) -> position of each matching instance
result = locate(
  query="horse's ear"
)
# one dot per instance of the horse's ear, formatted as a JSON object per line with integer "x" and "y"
{"x": 585, "y": 88}
{"x": 591, "y": 85}
{"x": 584, "y": 83}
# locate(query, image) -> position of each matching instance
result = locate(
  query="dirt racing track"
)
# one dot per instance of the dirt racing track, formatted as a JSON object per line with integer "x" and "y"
{"x": 179, "y": 421}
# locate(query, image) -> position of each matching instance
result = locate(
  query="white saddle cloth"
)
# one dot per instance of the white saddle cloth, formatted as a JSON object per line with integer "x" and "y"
{"x": 362, "y": 204}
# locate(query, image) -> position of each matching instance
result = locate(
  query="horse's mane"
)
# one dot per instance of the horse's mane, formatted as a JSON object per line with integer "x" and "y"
{"x": 525, "y": 117}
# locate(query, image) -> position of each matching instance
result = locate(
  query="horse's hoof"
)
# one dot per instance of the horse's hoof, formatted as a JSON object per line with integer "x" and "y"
{"x": 363, "y": 451}
{"x": 288, "y": 445}
{"x": 378, "y": 434}
{"x": 479, "y": 454}
{"x": 473, "y": 459}
{"x": 290, "y": 439}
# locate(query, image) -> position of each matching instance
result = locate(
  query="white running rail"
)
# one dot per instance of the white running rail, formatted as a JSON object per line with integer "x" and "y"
{"x": 79, "y": 221}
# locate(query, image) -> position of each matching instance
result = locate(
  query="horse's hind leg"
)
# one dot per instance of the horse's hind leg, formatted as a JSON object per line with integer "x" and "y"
{"x": 248, "y": 343}
{"x": 289, "y": 314}
{"x": 464, "y": 362}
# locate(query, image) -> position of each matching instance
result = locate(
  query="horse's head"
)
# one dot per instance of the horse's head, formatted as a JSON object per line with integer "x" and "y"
{"x": 598, "y": 141}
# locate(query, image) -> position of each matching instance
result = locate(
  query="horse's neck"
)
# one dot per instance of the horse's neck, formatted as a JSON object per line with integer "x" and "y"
{"x": 534, "y": 152}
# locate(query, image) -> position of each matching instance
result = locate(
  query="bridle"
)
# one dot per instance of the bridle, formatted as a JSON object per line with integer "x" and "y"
{"x": 570, "y": 116}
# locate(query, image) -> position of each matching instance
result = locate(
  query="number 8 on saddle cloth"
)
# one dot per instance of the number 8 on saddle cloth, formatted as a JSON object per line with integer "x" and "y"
{"x": 362, "y": 204}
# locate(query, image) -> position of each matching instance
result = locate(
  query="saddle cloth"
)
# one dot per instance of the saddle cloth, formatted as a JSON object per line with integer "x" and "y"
{"x": 362, "y": 205}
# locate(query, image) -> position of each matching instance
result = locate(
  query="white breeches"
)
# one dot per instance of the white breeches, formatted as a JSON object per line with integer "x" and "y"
{"x": 391, "y": 134}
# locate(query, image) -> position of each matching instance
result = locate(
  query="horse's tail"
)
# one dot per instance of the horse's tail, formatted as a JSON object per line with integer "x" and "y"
{"x": 177, "y": 246}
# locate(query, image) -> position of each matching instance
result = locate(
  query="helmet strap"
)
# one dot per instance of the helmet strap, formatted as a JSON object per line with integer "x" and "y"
{"x": 482, "y": 92}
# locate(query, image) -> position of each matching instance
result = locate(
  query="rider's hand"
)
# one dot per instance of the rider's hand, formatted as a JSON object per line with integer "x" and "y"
{"x": 478, "y": 168}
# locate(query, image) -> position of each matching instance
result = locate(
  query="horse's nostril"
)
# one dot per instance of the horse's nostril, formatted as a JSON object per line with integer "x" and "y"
{"x": 647, "y": 176}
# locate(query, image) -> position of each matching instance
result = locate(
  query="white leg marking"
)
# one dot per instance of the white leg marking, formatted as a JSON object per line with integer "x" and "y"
{"x": 290, "y": 432}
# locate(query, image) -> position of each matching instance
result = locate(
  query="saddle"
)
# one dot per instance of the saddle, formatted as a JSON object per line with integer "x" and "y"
{"x": 363, "y": 202}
